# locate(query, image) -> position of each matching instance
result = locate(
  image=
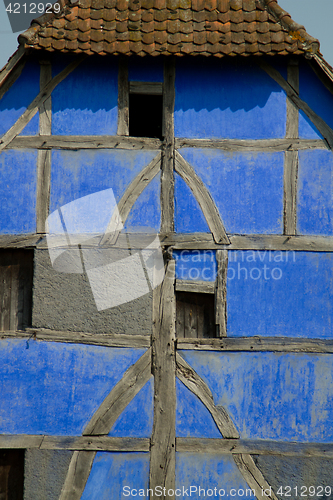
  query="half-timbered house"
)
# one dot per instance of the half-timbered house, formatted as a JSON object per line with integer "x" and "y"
{"x": 166, "y": 254}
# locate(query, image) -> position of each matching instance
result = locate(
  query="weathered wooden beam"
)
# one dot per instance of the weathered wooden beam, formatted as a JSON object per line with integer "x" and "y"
{"x": 77, "y": 475}
{"x": 203, "y": 197}
{"x": 258, "y": 344}
{"x": 195, "y": 384}
{"x": 12, "y": 77}
{"x": 195, "y": 286}
{"x": 152, "y": 88}
{"x": 12, "y": 63}
{"x": 163, "y": 441}
{"x": 253, "y": 447}
{"x": 323, "y": 71}
{"x": 292, "y": 109}
{"x": 44, "y": 157}
{"x": 123, "y": 98}
{"x": 221, "y": 293}
{"x": 254, "y": 477}
{"x": 317, "y": 121}
{"x": 34, "y": 106}
{"x": 264, "y": 145}
{"x": 205, "y": 241}
{"x": 19, "y": 241}
{"x": 121, "y": 395}
{"x": 74, "y": 443}
{"x": 168, "y": 155}
{"x": 101, "y": 339}
{"x": 128, "y": 199}
{"x": 77, "y": 142}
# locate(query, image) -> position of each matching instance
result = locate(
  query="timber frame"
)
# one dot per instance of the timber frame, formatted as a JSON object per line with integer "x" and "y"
{"x": 162, "y": 358}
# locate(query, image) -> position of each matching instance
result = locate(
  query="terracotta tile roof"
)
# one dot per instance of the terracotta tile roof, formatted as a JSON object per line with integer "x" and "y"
{"x": 170, "y": 27}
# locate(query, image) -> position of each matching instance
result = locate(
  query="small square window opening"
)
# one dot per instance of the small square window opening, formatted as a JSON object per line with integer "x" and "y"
{"x": 145, "y": 115}
{"x": 195, "y": 315}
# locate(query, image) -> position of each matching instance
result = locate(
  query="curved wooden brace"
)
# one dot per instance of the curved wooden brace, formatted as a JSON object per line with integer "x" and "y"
{"x": 128, "y": 199}
{"x": 101, "y": 423}
{"x": 244, "y": 462}
{"x": 204, "y": 199}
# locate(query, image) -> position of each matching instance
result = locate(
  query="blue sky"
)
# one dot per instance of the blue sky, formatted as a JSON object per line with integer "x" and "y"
{"x": 316, "y": 16}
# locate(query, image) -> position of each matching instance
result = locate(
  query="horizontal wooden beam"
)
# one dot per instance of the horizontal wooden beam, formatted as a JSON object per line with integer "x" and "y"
{"x": 19, "y": 241}
{"x": 75, "y": 142}
{"x": 258, "y": 344}
{"x": 253, "y": 447}
{"x": 265, "y": 145}
{"x": 101, "y": 339}
{"x": 152, "y": 88}
{"x": 195, "y": 286}
{"x": 205, "y": 241}
{"x": 75, "y": 443}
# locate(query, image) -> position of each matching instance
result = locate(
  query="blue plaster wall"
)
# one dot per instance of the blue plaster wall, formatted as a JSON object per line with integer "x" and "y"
{"x": 18, "y": 177}
{"x": 16, "y": 101}
{"x": 246, "y": 187}
{"x": 145, "y": 214}
{"x": 192, "y": 417}
{"x": 55, "y": 388}
{"x": 111, "y": 472}
{"x": 315, "y": 193}
{"x": 137, "y": 418}
{"x": 318, "y": 97}
{"x": 197, "y": 265}
{"x": 77, "y": 174}
{"x": 208, "y": 472}
{"x": 188, "y": 214}
{"x": 214, "y": 102}
{"x": 85, "y": 103}
{"x": 286, "y": 294}
{"x": 287, "y": 397}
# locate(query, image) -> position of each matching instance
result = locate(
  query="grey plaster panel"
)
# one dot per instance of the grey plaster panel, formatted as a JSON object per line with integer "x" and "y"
{"x": 44, "y": 474}
{"x": 64, "y": 301}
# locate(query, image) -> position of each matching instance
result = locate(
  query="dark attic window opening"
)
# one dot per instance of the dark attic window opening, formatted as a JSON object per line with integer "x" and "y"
{"x": 195, "y": 315}
{"x": 11, "y": 474}
{"x": 16, "y": 273}
{"x": 145, "y": 115}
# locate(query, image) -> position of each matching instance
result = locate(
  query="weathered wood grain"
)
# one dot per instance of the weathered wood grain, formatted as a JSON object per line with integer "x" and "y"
{"x": 105, "y": 339}
{"x": 128, "y": 199}
{"x": 76, "y": 142}
{"x": 152, "y": 88}
{"x": 254, "y": 477}
{"x": 317, "y": 121}
{"x": 94, "y": 443}
{"x": 204, "y": 199}
{"x": 264, "y": 145}
{"x": 44, "y": 157}
{"x": 163, "y": 441}
{"x": 77, "y": 476}
{"x": 168, "y": 154}
{"x": 195, "y": 384}
{"x": 253, "y": 447}
{"x": 123, "y": 98}
{"x": 203, "y": 241}
{"x": 290, "y": 192}
{"x": 12, "y": 63}
{"x": 258, "y": 344}
{"x": 114, "y": 404}
{"x": 195, "y": 286}
{"x": 21, "y": 441}
{"x": 292, "y": 109}
{"x": 34, "y": 106}
{"x": 19, "y": 241}
{"x": 221, "y": 293}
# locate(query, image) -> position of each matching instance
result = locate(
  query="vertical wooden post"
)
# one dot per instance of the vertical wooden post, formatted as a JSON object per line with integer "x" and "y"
{"x": 221, "y": 293}
{"x": 44, "y": 156}
{"x": 168, "y": 156}
{"x": 163, "y": 441}
{"x": 291, "y": 157}
{"x": 123, "y": 98}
